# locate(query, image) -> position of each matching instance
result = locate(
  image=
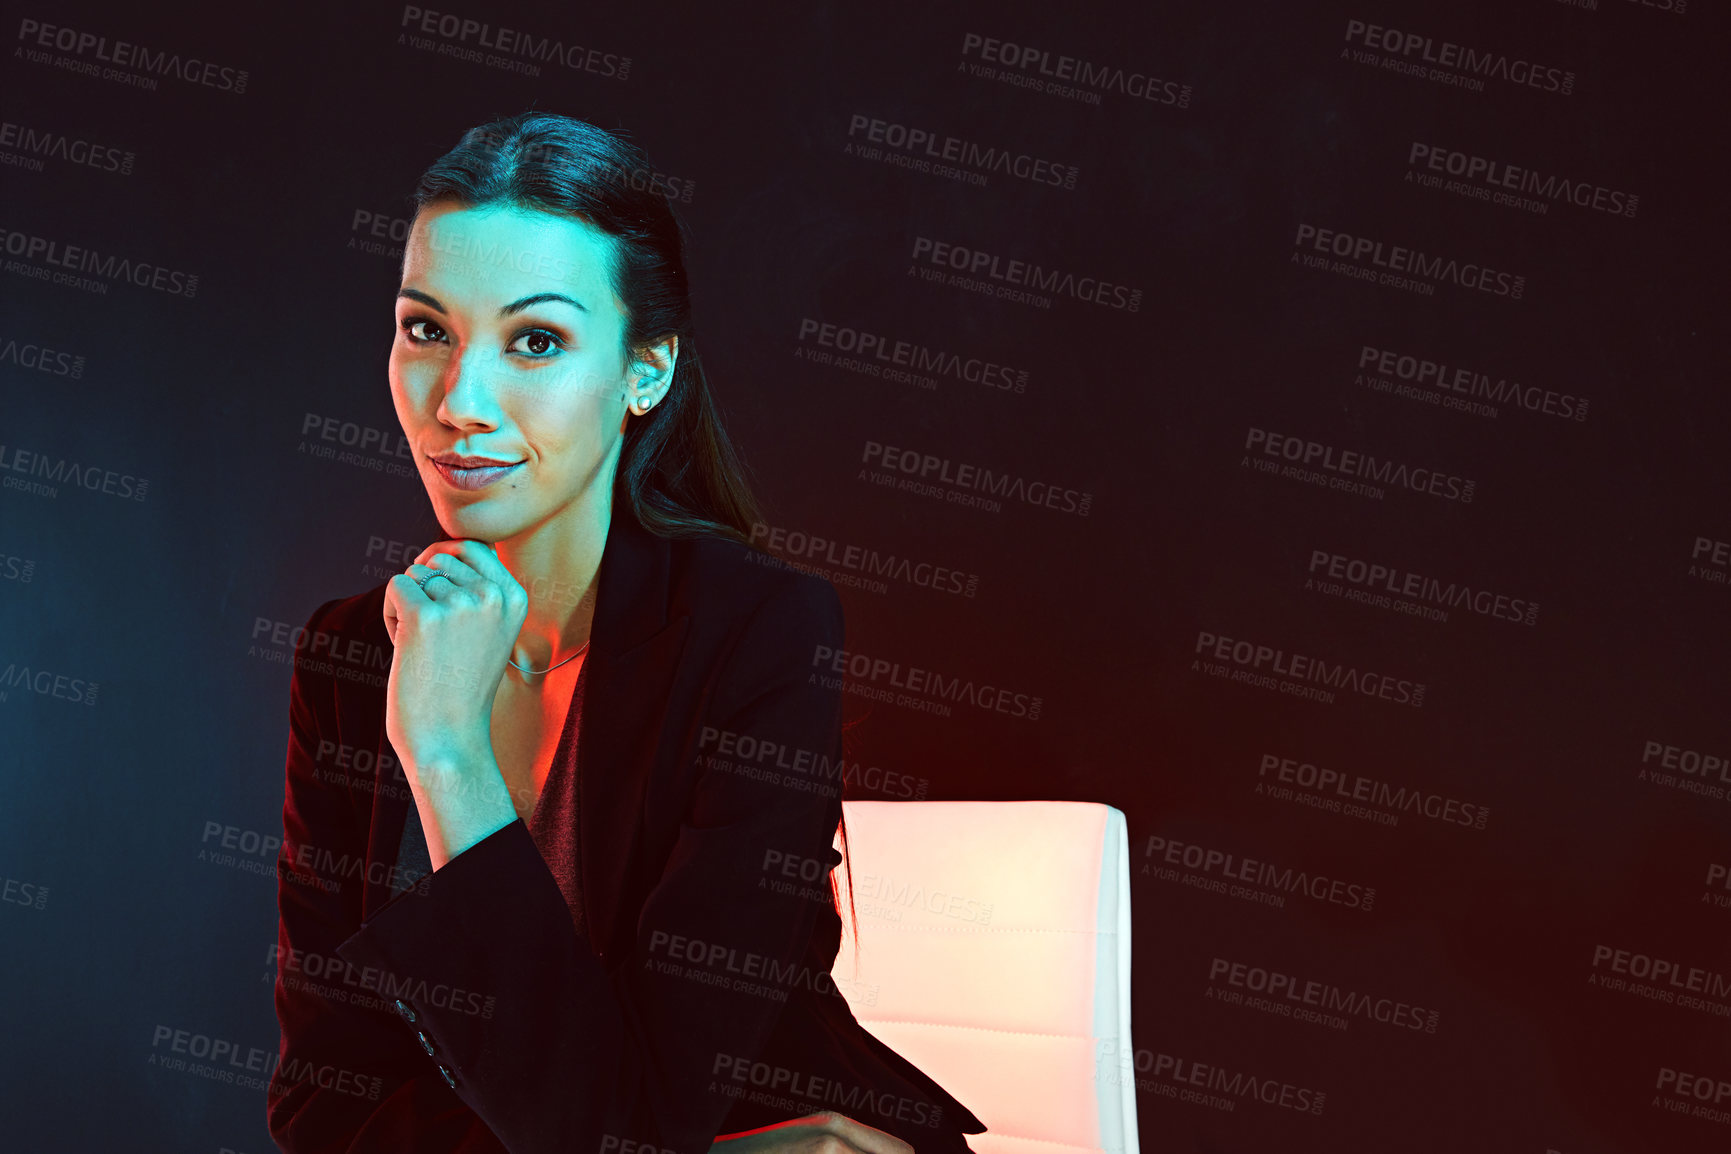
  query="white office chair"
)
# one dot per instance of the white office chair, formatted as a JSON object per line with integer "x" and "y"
{"x": 994, "y": 954}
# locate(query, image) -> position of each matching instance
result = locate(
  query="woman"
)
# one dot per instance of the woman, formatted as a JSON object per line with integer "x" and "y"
{"x": 597, "y": 960}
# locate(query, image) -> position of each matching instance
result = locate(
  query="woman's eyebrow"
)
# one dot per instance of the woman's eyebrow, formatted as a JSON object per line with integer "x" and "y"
{"x": 515, "y": 306}
{"x": 417, "y": 295}
{"x": 518, "y": 306}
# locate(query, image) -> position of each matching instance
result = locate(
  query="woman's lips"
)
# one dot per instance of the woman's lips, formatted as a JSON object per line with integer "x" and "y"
{"x": 477, "y": 478}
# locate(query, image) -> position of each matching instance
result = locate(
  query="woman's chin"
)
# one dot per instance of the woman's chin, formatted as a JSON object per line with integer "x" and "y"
{"x": 479, "y": 521}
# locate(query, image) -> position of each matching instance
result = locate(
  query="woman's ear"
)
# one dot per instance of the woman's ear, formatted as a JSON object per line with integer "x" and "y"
{"x": 653, "y": 372}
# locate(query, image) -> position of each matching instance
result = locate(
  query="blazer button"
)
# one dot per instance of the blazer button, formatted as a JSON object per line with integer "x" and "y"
{"x": 449, "y": 1081}
{"x": 425, "y": 1045}
{"x": 406, "y": 1010}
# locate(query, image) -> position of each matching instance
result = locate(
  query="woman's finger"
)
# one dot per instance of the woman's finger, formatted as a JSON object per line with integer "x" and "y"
{"x": 795, "y": 1134}
{"x": 860, "y": 1136}
{"x": 460, "y": 574}
{"x": 484, "y": 560}
{"x": 803, "y": 1134}
{"x": 450, "y": 545}
{"x": 466, "y": 557}
{"x": 392, "y": 593}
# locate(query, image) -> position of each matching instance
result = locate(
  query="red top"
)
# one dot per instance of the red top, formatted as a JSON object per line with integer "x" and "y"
{"x": 553, "y": 824}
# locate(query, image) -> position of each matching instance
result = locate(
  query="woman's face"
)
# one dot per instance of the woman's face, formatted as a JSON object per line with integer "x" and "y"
{"x": 508, "y": 372}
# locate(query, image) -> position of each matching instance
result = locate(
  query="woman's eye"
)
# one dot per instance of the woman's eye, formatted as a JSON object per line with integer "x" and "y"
{"x": 423, "y": 331}
{"x": 535, "y": 343}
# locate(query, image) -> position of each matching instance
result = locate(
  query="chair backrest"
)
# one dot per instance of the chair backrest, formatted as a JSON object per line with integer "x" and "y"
{"x": 994, "y": 954}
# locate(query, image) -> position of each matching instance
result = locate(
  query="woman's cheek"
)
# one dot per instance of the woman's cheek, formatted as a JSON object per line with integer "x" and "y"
{"x": 413, "y": 378}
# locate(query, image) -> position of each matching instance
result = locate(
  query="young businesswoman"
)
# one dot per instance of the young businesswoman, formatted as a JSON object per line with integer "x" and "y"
{"x": 522, "y": 892}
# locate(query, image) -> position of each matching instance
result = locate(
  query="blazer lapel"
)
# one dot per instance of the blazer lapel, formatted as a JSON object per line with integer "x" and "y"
{"x": 634, "y": 652}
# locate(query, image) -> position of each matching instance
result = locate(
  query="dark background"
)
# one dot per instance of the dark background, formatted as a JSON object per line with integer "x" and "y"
{"x": 121, "y": 919}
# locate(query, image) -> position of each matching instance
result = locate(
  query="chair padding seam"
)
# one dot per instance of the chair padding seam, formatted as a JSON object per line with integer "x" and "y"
{"x": 875, "y": 926}
{"x": 977, "y": 1029}
{"x": 1043, "y": 1141}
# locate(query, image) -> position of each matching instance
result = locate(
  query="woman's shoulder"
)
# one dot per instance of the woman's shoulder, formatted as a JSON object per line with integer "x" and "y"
{"x": 726, "y": 579}
{"x": 356, "y": 619}
{"x": 342, "y": 655}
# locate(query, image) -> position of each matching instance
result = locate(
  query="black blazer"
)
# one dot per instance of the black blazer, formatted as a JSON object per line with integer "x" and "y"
{"x": 462, "y": 1010}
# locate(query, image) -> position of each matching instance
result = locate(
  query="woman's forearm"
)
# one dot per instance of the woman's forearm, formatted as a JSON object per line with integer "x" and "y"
{"x": 461, "y": 796}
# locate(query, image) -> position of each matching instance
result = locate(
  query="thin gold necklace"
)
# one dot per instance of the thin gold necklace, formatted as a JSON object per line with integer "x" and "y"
{"x": 581, "y": 649}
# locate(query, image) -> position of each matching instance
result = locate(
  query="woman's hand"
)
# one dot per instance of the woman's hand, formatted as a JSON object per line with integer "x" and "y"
{"x": 452, "y": 637}
{"x": 826, "y": 1133}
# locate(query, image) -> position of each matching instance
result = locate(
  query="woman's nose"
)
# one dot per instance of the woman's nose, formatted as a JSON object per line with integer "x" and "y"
{"x": 472, "y": 388}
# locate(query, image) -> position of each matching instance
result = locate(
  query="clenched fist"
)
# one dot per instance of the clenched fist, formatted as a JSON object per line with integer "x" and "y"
{"x": 452, "y": 636}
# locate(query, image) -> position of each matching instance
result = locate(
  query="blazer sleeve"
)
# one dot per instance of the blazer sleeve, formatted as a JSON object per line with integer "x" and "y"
{"x": 348, "y": 1077}
{"x": 582, "y": 1056}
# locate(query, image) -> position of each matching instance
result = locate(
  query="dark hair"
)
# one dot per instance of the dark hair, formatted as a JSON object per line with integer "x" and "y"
{"x": 678, "y": 470}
